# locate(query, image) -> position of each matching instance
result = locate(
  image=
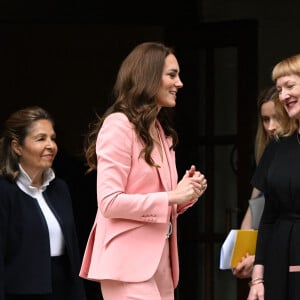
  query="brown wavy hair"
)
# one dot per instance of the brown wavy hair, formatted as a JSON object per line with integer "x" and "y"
{"x": 134, "y": 92}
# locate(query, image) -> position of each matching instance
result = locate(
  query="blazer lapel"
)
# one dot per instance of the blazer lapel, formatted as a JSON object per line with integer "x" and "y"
{"x": 167, "y": 171}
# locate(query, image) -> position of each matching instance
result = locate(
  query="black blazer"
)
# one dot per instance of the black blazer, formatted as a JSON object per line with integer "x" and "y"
{"x": 25, "y": 262}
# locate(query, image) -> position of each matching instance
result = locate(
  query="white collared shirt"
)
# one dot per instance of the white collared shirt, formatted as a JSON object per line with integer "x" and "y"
{"x": 55, "y": 233}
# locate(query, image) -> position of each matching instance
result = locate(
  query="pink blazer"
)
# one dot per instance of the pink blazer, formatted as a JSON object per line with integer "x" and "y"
{"x": 129, "y": 232}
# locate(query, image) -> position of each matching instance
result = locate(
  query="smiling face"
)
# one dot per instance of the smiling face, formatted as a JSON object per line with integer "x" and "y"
{"x": 289, "y": 94}
{"x": 37, "y": 152}
{"x": 170, "y": 83}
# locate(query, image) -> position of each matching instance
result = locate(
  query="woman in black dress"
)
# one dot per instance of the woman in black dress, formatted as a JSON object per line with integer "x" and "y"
{"x": 276, "y": 274}
{"x": 273, "y": 121}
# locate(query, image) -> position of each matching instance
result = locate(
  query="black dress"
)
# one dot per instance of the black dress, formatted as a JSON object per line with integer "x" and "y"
{"x": 278, "y": 243}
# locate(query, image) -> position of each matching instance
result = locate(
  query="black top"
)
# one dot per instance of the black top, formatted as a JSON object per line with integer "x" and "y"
{"x": 25, "y": 261}
{"x": 278, "y": 243}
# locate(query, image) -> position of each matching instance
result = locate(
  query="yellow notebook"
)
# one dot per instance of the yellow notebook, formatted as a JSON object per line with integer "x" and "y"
{"x": 237, "y": 244}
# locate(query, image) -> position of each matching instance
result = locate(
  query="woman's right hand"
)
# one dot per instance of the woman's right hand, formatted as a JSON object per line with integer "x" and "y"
{"x": 244, "y": 267}
{"x": 257, "y": 288}
{"x": 192, "y": 185}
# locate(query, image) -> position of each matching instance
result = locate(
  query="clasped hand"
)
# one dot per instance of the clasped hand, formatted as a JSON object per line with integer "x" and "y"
{"x": 192, "y": 185}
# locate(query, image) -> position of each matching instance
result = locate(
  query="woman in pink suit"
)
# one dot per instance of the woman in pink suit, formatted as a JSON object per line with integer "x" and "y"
{"x": 132, "y": 247}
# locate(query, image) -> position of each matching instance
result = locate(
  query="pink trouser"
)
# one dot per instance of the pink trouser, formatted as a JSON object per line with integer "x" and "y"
{"x": 158, "y": 287}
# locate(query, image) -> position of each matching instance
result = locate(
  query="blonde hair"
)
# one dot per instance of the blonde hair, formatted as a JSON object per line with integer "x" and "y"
{"x": 288, "y": 66}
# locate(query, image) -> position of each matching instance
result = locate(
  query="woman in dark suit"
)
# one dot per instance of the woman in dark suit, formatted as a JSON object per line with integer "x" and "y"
{"x": 39, "y": 254}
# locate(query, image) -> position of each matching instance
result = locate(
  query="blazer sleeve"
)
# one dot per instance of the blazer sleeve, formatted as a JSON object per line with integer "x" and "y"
{"x": 125, "y": 182}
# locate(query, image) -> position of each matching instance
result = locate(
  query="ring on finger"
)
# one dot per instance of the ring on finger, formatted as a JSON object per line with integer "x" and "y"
{"x": 203, "y": 187}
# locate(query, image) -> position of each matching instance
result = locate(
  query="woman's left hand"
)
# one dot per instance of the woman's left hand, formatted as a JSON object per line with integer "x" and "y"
{"x": 197, "y": 174}
{"x": 244, "y": 267}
